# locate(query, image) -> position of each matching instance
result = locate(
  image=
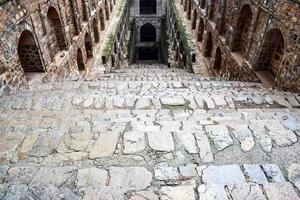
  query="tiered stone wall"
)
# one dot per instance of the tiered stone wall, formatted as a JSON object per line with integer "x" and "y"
{"x": 57, "y": 37}
{"x": 240, "y": 29}
{"x": 181, "y": 53}
{"x": 118, "y": 54}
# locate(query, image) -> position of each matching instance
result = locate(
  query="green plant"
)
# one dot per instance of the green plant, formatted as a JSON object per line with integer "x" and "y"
{"x": 181, "y": 28}
{"x": 109, "y": 45}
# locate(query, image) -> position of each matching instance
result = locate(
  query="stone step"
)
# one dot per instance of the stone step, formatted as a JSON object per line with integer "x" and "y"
{"x": 186, "y": 182}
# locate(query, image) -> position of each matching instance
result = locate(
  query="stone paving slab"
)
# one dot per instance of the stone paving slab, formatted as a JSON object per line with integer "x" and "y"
{"x": 150, "y": 133}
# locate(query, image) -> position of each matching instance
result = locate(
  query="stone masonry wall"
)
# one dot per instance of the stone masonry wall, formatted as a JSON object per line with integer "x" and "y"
{"x": 239, "y": 28}
{"x": 57, "y": 48}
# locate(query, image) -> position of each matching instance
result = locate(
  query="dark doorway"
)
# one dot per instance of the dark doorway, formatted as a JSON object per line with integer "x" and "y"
{"x": 148, "y": 33}
{"x": 148, "y": 54}
{"x": 56, "y": 28}
{"x": 80, "y": 62}
{"x": 29, "y": 53}
{"x": 208, "y": 46}
{"x": 148, "y": 7}
{"x": 272, "y": 50}
{"x": 200, "y": 30}
{"x": 242, "y": 30}
{"x": 88, "y": 46}
{"x": 96, "y": 31}
{"x": 102, "y": 20}
{"x": 218, "y": 59}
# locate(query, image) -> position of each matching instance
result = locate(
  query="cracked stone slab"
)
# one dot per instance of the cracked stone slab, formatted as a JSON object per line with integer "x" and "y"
{"x": 212, "y": 192}
{"x": 28, "y": 142}
{"x": 46, "y": 144}
{"x": 177, "y": 193}
{"x": 283, "y": 138}
{"x": 188, "y": 170}
{"x": 105, "y": 145}
{"x": 246, "y": 192}
{"x": 163, "y": 172}
{"x": 222, "y": 175}
{"x": 294, "y": 174}
{"x": 255, "y": 174}
{"x": 144, "y": 195}
{"x": 91, "y": 177}
{"x": 205, "y": 151}
{"x": 17, "y": 192}
{"x": 187, "y": 139}
{"x": 130, "y": 178}
{"x": 21, "y": 174}
{"x": 261, "y": 136}
{"x": 161, "y": 141}
{"x": 77, "y": 141}
{"x": 9, "y": 141}
{"x": 220, "y": 136}
{"x": 105, "y": 193}
{"x": 134, "y": 142}
{"x": 273, "y": 173}
{"x": 143, "y": 103}
{"x": 175, "y": 101}
{"x": 281, "y": 191}
{"x": 171, "y": 126}
{"x": 243, "y": 134}
{"x": 53, "y": 176}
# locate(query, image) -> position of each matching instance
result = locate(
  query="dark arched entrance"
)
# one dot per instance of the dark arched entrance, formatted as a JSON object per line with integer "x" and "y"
{"x": 218, "y": 60}
{"x": 148, "y": 33}
{"x": 80, "y": 62}
{"x": 148, "y": 7}
{"x": 88, "y": 46}
{"x": 96, "y": 31}
{"x": 102, "y": 20}
{"x": 56, "y": 28}
{"x": 272, "y": 50}
{"x": 84, "y": 11}
{"x": 200, "y": 30}
{"x": 189, "y": 9}
{"x": 28, "y": 52}
{"x": 194, "y": 21}
{"x": 106, "y": 7}
{"x": 208, "y": 46}
{"x": 242, "y": 30}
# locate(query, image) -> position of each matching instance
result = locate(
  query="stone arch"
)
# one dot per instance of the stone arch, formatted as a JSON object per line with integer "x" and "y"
{"x": 200, "y": 30}
{"x": 218, "y": 59}
{"x": 106, "y": 9}
{"x": 208, "y": 45}
{"x": 96, "y": 31}
{"x": 148, "y": 7}
{"x": 271, "y": 53}
{"x": 148, "y": 33}
{"x": 29, "y": 54}
{"x": 189, "y": 10}
{"x": 80, "y": 61}
{"x": 102, "y": 20}
{"x": 194, "y": 21}
{"x": 56, "y": 28}
{"x": 88, "y": 46}
{"x": 242, "y": 30}
{"x": 84, "y": 11}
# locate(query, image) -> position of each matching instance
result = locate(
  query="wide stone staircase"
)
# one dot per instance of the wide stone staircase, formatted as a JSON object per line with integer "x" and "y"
{"x": 148, "y": 132}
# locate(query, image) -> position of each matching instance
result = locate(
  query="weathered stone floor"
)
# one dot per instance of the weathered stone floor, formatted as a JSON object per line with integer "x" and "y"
{"x": 147, "y": 134}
